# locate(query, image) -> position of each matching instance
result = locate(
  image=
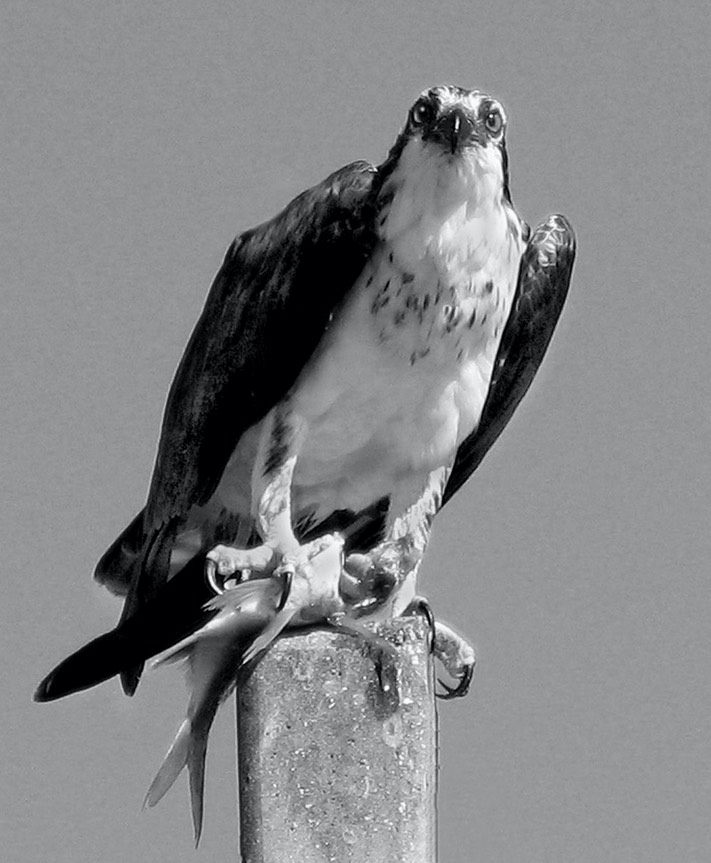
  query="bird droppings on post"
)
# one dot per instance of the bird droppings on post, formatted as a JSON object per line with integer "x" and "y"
{"x": 327, "y": 773}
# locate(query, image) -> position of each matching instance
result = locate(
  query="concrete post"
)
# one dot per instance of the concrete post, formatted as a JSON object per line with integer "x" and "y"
{"x": 327, "y": 772}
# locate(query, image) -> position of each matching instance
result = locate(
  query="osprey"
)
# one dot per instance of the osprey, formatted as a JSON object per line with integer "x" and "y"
{"x": 356, "y": 358}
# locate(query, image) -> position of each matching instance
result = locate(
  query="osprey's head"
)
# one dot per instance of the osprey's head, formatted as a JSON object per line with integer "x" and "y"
{"x": 455, "y": 135}
{"x": 457, "y": 121}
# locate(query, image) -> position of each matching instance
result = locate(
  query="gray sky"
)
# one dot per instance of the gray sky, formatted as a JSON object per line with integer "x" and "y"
{"x": 142, "y": 138}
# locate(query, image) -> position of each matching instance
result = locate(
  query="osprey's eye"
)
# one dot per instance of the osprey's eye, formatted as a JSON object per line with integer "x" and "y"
{"x": 493, "y": 121}
{"x": 422, "y": 113}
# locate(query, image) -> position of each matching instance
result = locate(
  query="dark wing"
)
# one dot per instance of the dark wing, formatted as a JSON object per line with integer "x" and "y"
{"x": 268, "y": 308}
{"x": 266, "y": 312}
{"x": 544, "y": 276}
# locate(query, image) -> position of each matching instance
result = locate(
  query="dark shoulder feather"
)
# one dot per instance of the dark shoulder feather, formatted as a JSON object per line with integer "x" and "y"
{"x": 544, "y": 276}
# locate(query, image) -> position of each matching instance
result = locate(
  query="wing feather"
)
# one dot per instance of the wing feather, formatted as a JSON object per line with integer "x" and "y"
{"x": 544, "y": 277}
{"x": 268, "y": 308}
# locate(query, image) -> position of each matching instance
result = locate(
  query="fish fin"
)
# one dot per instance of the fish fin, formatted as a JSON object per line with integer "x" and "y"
{"x": 267, "y": 635}
{"x": 196, "y": 771}
{"x": 173, "y": 763}
{"x": 235, "y": 597}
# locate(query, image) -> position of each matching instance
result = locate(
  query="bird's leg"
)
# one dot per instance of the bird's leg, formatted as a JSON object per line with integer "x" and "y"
{"x": 271, "y": 500}
{"x": 272, "y": 477}
{"x": 382, "y": 582}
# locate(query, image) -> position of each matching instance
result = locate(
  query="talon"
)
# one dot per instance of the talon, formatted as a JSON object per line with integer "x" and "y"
{"x": 448, "y": 690}
{"x": 458, "y": 658}
{"x": 287, "y": 575}
{"x": 210, "y": 573}
{"x": 461, "y": 689}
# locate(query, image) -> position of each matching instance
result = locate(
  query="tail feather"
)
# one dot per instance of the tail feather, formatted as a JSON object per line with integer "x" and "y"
{"x": 94, "y": 663}
{"x": 149, "y": 575}
{"x": 175, "y": 613}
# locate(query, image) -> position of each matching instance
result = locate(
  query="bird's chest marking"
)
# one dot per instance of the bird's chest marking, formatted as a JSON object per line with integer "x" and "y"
{"x": 429, "y": 311}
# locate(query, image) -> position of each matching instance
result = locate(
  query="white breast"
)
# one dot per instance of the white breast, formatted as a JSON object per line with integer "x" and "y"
{"x": 402, "y": 377}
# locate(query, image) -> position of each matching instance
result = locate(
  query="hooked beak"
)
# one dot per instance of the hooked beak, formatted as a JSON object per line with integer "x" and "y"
{"x": 453, "y": 130}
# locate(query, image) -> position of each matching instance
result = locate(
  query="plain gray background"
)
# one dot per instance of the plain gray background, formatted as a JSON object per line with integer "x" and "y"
{"x": 142, "y": 137}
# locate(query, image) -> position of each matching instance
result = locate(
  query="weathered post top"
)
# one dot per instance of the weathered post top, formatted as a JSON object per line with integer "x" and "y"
{"x": 327, "y": 771}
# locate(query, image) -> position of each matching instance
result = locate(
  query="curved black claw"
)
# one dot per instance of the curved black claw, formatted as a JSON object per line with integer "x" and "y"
{"x": 287, "y": 576}
{"x": 211, "y": 577}
{"x": 461, "y": 689}
{"x": 218, "y": 584}
{"x": 420, "y": 605}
